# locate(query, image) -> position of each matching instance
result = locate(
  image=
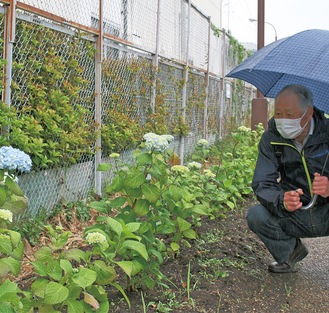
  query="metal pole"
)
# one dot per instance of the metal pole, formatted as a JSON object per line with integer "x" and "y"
{"x": 125, "y": 19}
{"x": 205, "y": 114}
{"x": 9, "y": 40}
{"x": 156, "y": 59}
{"x": 259, "y": 106}
{"x": 275, "y": 32}
{"x": 185, "y": 78}
{"x": 98, "y": 101}
{"x": 222, "y": 90}
{"x": 260, "y": 27}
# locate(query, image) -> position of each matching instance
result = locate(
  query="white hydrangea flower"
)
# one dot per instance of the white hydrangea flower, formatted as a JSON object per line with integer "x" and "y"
{"x": 156, "y": 142}
{"x": 95, "y": 237}
{"x": 4, "y": 237}
{"x": 194, "y": 165}
{"x": 203, "y": 143}
{"x": 180, "y": 169}
{"x": 114, "y": 155}
{"x": 6, "y": 215}
{"x": 244, "y": 129}
{"x": 208, "y": 173}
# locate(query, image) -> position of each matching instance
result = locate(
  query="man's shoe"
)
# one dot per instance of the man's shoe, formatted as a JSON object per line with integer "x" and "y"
{"x": 276, "y": 267}
{"x": 299, "y": 253}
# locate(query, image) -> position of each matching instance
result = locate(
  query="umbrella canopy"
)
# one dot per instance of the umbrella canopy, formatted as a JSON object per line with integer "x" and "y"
{"x": 299, "y": 59}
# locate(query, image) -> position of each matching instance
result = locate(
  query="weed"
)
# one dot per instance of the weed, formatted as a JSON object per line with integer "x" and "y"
{"x": 288, "y": 290}
{"x": 31, "y": 228}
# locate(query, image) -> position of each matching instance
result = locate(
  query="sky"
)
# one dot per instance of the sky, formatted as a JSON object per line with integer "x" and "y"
{"x": 288, "y": 17}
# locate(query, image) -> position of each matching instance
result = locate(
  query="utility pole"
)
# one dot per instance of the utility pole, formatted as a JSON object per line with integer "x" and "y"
{"x": 259, "y": 105}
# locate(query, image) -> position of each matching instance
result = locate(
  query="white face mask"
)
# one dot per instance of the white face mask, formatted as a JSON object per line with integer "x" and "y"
{"x": 290, "y": 128}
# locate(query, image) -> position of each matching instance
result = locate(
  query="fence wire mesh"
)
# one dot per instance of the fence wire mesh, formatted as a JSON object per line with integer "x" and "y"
{"x": 146, "y": 48}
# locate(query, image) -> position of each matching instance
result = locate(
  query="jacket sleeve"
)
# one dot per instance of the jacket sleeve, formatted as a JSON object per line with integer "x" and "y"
{"x": 266, "y": 179}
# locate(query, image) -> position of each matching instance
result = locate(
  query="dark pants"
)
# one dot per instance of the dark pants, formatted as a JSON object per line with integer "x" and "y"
{"x": 279, "y": 234}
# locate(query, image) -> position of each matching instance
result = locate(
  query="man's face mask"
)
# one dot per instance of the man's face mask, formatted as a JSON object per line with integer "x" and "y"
{"x": 290, "y": 128}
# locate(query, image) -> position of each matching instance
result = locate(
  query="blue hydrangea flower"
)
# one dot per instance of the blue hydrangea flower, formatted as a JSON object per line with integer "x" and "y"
{"x": 12, "y": 159}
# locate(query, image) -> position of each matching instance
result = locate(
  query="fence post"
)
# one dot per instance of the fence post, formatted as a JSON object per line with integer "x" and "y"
{"x": 222, "y": 94}
{"x": 156, "y": 59}
{"x": 98, "y": 100}
{"x": 205, "y": 114}
{"x": 9, "y": 34}
{"x": 185, "y": 80}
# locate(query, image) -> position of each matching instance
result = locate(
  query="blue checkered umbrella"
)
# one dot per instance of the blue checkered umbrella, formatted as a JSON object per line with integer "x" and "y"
{"x": 299, "y": 59}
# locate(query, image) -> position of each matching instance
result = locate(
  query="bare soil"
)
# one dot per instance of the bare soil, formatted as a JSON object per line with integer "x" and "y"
{"x": 242, "y": 282}
{"x": 228, "y": 273}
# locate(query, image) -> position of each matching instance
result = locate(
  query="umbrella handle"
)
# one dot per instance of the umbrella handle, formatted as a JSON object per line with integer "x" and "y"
{"x": 311, "y": 203}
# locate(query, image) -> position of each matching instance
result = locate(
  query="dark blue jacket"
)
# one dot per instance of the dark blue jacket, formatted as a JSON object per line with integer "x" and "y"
{"x": 281, "y": 167}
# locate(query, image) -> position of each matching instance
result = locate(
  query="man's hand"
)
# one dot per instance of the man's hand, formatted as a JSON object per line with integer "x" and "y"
{"x": 320, "y": 185}
{"x": 292, "y": 201}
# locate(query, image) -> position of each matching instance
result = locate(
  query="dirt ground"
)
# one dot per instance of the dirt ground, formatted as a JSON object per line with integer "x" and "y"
{"x": 228, "y": 273}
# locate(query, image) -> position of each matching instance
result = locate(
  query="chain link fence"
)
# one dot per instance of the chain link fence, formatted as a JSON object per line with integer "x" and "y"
{"x": 107, "y": 71}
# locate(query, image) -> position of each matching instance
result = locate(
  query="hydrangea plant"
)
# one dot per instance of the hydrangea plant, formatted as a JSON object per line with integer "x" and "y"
{"x": 12, "y": 161}
{"x": 158, "y": 143}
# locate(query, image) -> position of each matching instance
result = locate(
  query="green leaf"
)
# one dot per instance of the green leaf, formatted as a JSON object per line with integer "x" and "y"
{"x": 99, "y": 206}
{"x": 74, "y": 306}
{"x": 66, "y": 266}
{"x": 3, "y": 196}
{"x": 114, "y": 225}
{"x": 126, "y": 266}
{"x": 8, "y": 287}
{"x": 105, "y": 274}
{"x": 134, "y": 179}
{"x": 117, "y": 286}
{"x": 134, "y": 192}
{"x": 190, "y": 234}
{"x": 200, "y": 209}
{"x": 116, "y": 185}
{"x": 85, "y": 277}
{"x": 143, "y": 159}
{"x": 132, "y": 227}
{"x": 16, "y": 204}
{"x": 227, "y": 183}
{"x": 182, "y": 224}
{"x": 13, "y": 187}
{"x": 55, "y": 293}
{"x": 158, "y": 172}
{"x": 136, "y": 246}
{"x": 9, "y": 265}
{"x": 43, "y": 254}
{"x": 151, "y": 192}
{"x": 6, "y": 308}
{"x": 174, "y": 246}
{"x": 142, "y": 207}
{"x": 104, "y": 167}
{"x": 175, "y": 192}
{"x": 75, "y": 254}
{"x": 38, "y": 287}
{"x": 40, "y": 268}
{"x": 54, "y": 270}
{"x": 118, "y": 202}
